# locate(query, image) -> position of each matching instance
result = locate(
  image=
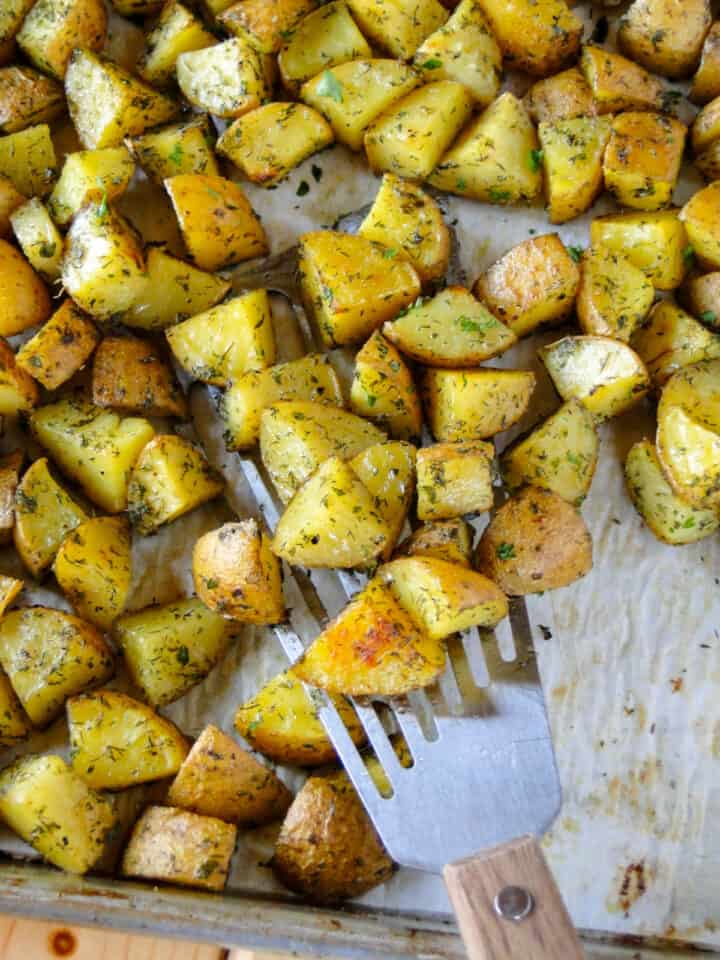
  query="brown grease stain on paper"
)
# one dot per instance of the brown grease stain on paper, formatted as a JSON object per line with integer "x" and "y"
{"x": 632, "y": 883}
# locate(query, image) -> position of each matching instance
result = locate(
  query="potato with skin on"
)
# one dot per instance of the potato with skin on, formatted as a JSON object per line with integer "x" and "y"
{"x": 10, "y": 465}
{"x": 18, "y": 391}
{"x": 387, "y": 471}
{"x": 220, "y": 779}
{"x": 175, "y": 846}
{"x": 53, "y": 29}
{"x": 491, "y": 159}
{"x": 538, "y": 37}
{"x": 179, "y": 148}
{"x": 383, "y": 390}
{"x": 170, "y": 647}
{"x": 670, "y": 339}
{"x": 642, "y": 159}
{"x": 351, "y": 95}
{"x": 614, "y": 296}
{"x": 536, "y": 541}
{"x": 281, "y": 722}
{"x": 217, "y": 223}
{"x": 454, "y": 479}
{"x": 700, "y": 295}
{"x": 267, "y": 143}
{"x": 95, "y": 447}
{"x": 10, "y": 200}
{"x": 397, "y": 26}
{"x": 236, "y": 574}
{"x": 60, "y": 348}
{"x": 28, "y": 160}
{"x": 93, "y": 568}
{"x": 669, "y": 517}
{"x": 653, "y": 242}
{"x": 617, "y": 83}
{"x": 700, "y": 216}
{"x": 26, "y": 98}
{"x": 666, "y": 36}
{"x": 264, "y": 23}
{"x": 466, "y": 405}
{"x": 310, "y": 378}
{"x": 45, "y": 514}
{"x": 533, "y": 284}
{"x": 38, "y": 238}
{"x": 14, "y": 724}
{"x": 564, "y": 96}
{"x": 40, "y": 789}
{"x": 706, "y": 126}
{"x": 572, "y": 160}
{"x": 706, "y": 82}
{"x": 176, "y": 31}
{"x": 297, "y": 436}
{"x": 328, "y": 848}
{"x": 90, "y": 175}
{"x": 130, "y": 374}
{"x": 24, "y": 298}
{"x": 49, "y": 656}
{"x": 372, "y": 648}
{"x": 464, "y": 49}
{"x": 226, "y": 80}
{"x": 708, "y": 162}
{"x": 449, "y": 540}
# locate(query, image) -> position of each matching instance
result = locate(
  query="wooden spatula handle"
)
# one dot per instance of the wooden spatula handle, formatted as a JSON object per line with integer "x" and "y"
{"x": 498, "y": 881}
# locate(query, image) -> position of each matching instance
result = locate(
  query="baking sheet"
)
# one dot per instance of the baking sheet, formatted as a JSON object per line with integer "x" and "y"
{"x": 629, "y": 656}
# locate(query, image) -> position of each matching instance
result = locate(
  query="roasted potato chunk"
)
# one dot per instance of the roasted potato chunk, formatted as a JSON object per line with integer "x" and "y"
{"x": 564, "y": 96}
{"x": 176, "y": 31}
{"x": 94, "y": 567}
{"x": 44, "y": 515}
{"x": 10, "y": 465}
{"x": 387, "y": 470}
{"x": 24, "y": 299}
{"x": 454, "y": 479}
{"x": 670, "y": 339}
{"x": 38, "y": 237}
{"x": 130, "y": 374}
{"x": 700, "y": 216}
{"x": 328, "y": 848}
{"x": 534, "y": 283}
{"x": 572, "y": 159}
{"x": 96, "y": 447}
{"x": 14, "y": 724}
{"x": 706, "y": 82}
{"x": 18, "y": 393}
{"x": 666, "y": 36}
{"x": 468, "y": 405}
{"x": 536, "y": 541}
{"x": 264, "y": 24}
{"x": 10, "y": 587}
{"x": 236, "y": 574}
{"x": 27, "y": 97}
{"x": 226, "y": 79}
{"x": 308, "y": 378}
{"x": 449, "y": 540}
{"x": 350, "y": 287}
{"x": 642, "y": 159}
{"x": 708, "y": 162}
{"x": 700, "y": 294}
{"x": 10, "y": 200}
{"x": 90, "y": 175}
{"x": 670, "y": 518}
{"x": 483, "y": 162}
{"x": 536, "y": 36}
{"x": 12, "y": 14}
{"x": 383, "y": 389}
{"x": 218, "y": 224}
{"x": 281, "y": 721}
{"x": 180, "y": 148}
{"x": 331, "y": 521}
{"x": 27, "y": 159}
{"x": 614, "y": 296}
{"x": 56, "y": 812}
{"x": 171, "y": 647}
{"x": 118, "y": 742}
{"x": 706, "y": 126}
{"x": 220, "y": 779}
{"x": 452, "y": 329}
{"x": 48, "y": 656}
{"x": 372, "y": 648}
{"x": 350, "y": 96}
{"x": 60, "y": 348}
{"x": 53, "y": 29}
{"x": 619, "y": 84}
{"x": 397, "y": 26}
{"x": 297, "y": 436}
{"x": 176, "y": 846}
{"x": 655, "y": 243}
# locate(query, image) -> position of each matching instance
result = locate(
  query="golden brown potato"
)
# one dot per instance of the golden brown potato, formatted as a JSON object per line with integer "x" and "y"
{"x": 236, "y": 574}
{"x": 328, "y": 848}
{"x": 383, "y": 390}
{"x": 24, "y": 299}
{"x": 265, "y": 23}
{"x": 220, "y": 779}
{"x": 536, "y": 541}
{"x": 702, "y": 224}
{"x": 708, "y": 162}
{"x": 18, "y": 392}
{"x": 38, "y": 238}
{"x": 642, "y": 159}
{"x": 614, "y": 295}
{"x": 454, "y": 479}
{"x": 10, "y": 465}
{"x": 14, "y": 724}
{"x": 619, "y": 84}
{"x": 666, "y": 36}
{"x": 449, "y": 540}
{"x": 130, "y": 374}
{"x": 706, "y": 82}
{"x": 572, "y": 160}
{"x": 180, "y": 148}
{"x": 700, "y": 294}
{"x": 226, "y": 79}
{"x": 10, "y": 587}
{"x": 655, "y": 243}
{"x": 670, "y": 339}
{"x": 28, "y": 160}
{"x": 12, "y": 14}
{"x": 564, "y": 96}
{"x": 398, "y": 27}
{"x": 175, "y": 846}
{"x": 706, "y": 126}
{"x": 54, "y": 28}
{"x": 536, "y": 36}
{"x": 60, "y": 347}
{"x": 27, "y": 97}
{"x": 387, "y": 470}
{"x": 176, "y": 31}
{"x": 90, "y": 175}
{"x": 10, "y": 200}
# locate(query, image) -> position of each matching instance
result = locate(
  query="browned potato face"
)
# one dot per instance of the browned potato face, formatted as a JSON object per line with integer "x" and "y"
{"x": 9, "y": 476}
{"x": 666, "y": 36}
{"x": 536, "y": 541}
{"x": 449, "y": 540}
{"x": 564, "y": 96}
{"x": 24, "y": 299}
{"x": 129, "y": 374}
{"x": 328, "y": 849}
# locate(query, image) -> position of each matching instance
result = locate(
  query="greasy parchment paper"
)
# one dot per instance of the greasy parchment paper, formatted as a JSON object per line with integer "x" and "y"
{"x": 629, "y": 657}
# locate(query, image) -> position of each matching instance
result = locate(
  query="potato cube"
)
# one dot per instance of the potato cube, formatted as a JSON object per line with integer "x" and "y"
{"x": 324, "y": 38}
{"x": 468, "y": 405}
{"x": 60, "y": 348}
{"x": 534, "y": 283}
{"x": 14, "y": 724}
{"x": 705, "y": 128}
{"x": 700, "y": 294}
{"x": 308, "y": 378}
{"x": 53, "y": 29}
{"x": 564, "y": 96}
{"x": 536, "y": 36}
{"x": 619, "y": 84}
{"x": 180, "y": 148}
{"x": 48, "y": 656}
{"x": 218, "y": 224}
{"x": 708, "y": 162}
{"x": 55, "y": 811}
{"x": 10, "y": 465}
{"x": 118, "y": 742}
{"x": 90, "y": 175}
{"x": 454, "y": 479}
{"x": 614, "y": 296}
{"x": 18, "y": 392}
{"x": 398, "y": 26}
{"x": 492, "y": 159}
{"x": 38, "y": 238}
{"x": 10, "y": 587}
{"x": 24, "y": 299}
{"x": 700, "y": 216}
{"x": 94, "y": 569}
{"x": 226, "y": 80}
{"x": 175, "y": 846}
{"x": 642, "y": 160}
{"x": 350, "y": 96}
{"x": 27, "y": 159}
{"x": 95, "y": 446}
{"x": 130, "y": 374}
{"x": 171, "y": 647}
{"x": 26, "y": 98}
{"x": 655, "y": 243}
{"x": 264, "y": 24}
{"x": 10, "y": 200}
{"x": 666, "y": 36}
{"x": 464, "y": 49}
{"x": 383, "y": 389}
{"x": 220, "y": 779}
{"x": 12, "y": 14}
{"x": 572, "y": 159}
{"x": 706, "y": 82}
{"x": 670, "y": 338}
{"x": 350, "y": 287}
{"x": 387, "y": 471}
{"x": 449, "y": 540}
{"x": 176, "y": 31}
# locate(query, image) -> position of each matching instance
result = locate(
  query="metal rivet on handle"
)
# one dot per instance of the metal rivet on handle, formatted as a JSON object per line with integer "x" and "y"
{"x": 514, "y": 903}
